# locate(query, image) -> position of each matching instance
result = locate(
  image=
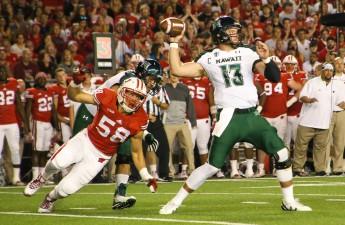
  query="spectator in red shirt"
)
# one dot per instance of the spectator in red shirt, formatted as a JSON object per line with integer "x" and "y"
{"x": 132, "y": 21}
{"x": 331, "y": 45}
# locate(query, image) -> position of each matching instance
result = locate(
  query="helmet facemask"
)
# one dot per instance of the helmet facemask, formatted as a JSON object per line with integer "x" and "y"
{"x": 132, "y": 94}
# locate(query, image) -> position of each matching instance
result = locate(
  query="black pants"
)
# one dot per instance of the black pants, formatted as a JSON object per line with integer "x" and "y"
{"x": 157, "y": 129}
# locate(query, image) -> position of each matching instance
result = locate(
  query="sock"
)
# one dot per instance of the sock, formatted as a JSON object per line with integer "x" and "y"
{"x": 153, "y": 169}
{"x": 288, "y": 194}
{"x": 233, "y": 164}
{"x": 200, "y": 175}
{"x": 121, "y": 184}
{"x": 250, "y": 164}
{"x": 261, "y": 166}
{"x": 41, "y": 170}
{"x": 16, "y": 173}
{"x": 49, "y": 170}
{"x": 35, "y": 172}
{"x": 180, "y": 196}
{"x": 53, "y": 195}
{"x": 184, "y": 167}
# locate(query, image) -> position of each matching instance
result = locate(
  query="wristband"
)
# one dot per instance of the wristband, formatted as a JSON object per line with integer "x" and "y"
{"x": 144, "y": 174}
{"x": 173, "y": 45}
{"x": 259, "y": 108}
{"x": 267, "y": 60}
{"x": 213, "y": 109}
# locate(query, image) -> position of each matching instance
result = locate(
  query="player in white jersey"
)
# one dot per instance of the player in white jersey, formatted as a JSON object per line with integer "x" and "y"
{"x": 229, "y": 67}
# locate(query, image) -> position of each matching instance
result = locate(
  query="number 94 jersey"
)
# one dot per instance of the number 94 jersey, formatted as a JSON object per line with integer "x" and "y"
{"x": 109, "y": 127}
{"x": 231, "y": 76}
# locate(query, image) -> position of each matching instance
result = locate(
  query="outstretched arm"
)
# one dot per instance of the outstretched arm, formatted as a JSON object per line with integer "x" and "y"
{"x": 177, "y": 68}
{"x": 77, "y": 95}
{"x": 266, "y": 66}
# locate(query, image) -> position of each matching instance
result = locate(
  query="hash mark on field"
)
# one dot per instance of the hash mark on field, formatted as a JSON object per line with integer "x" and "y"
{"x": 83, "y": 208}
{"x": 126, "y": 218}
{"x": 255, "y": 203}
{"x": 335, "y": 200}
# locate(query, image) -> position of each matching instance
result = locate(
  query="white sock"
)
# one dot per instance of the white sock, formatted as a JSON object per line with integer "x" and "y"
{"x": 35, "y": 172}
{"x": 200, "y": 175}
{"x": 49, "y": 170}
{"x": 288, "y": 194}
{"x": 184, "y": 167}
{"x": 16, "y": 175}
{"x": 121, "y": 179}
{"x": 250, "y": 164}
{"x": 261, "y": 166}
{"x": 180, "y": 196}
{"x": 41, "y": 170}
{"x": 233, "y": 164}
{"x": 153, "y": 169}
{"x": 54, "y": 195}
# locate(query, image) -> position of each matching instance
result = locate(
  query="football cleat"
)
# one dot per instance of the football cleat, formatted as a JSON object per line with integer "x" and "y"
{"x": 122, "y": 202}
{"x": 46, "y": 206}
{"x": 34, "y": 185}
{"x": 220, "y": 174}
{"x": 260, "y": 173}
{"x": 169, "y": 208}
{"x": 249, "y": 173}
{"x": 294, "y": 206}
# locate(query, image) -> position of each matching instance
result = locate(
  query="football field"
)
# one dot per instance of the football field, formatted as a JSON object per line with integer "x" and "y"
{"x": 227, "y": 202}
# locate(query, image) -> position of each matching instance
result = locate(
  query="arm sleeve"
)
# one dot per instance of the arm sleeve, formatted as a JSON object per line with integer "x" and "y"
{"x": 272, "y": 72}
{"x": 306, "y": 90}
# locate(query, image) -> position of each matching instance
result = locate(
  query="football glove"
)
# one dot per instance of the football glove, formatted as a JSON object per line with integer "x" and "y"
{"x": 151, "y": 142}
{"x": 152, "y": 184}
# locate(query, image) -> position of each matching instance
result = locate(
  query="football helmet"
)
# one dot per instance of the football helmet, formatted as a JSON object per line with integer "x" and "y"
{"x": 290, "y": 63}
{"x": 277, "y": 61}
{"x": 150, "y": 71}
{"x": 219, "y": 31}
{"x": 131, "y": 94}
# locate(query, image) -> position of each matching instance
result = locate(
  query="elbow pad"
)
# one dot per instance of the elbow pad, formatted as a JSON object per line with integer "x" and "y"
{"x": 272, "y": 72}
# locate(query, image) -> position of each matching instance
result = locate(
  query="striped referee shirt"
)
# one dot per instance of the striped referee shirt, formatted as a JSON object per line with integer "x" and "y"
{"x": 154, "y": 109}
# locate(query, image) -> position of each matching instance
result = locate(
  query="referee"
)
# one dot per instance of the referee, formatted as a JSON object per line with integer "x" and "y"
{"x": 154, "y": 107}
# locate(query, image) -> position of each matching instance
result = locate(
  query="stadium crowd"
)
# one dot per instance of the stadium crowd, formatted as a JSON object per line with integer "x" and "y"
{"x": 48, "y": 41}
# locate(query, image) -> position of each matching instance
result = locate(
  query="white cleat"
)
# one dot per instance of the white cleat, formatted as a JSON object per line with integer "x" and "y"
{"x": 122, "y": 202}
{"x": 46, "y": 206}
{"x": 169, "y": 208}
{"x": 220, "y": 174}
{"x": 34, "y": 185}
{"x": 295, "y": 206}
{"x": 260, "y": 173}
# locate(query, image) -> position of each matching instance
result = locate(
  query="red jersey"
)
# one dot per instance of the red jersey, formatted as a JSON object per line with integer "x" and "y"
{"x": 42, "y": 103}
{"x": 301, "y": 77}
{"x": 277, "y": 94}
{"x": 109, "y": 127}
{"x": 8, "y": 108}
{"x": 63, "y": 100}
{"x": 199, "y": 91}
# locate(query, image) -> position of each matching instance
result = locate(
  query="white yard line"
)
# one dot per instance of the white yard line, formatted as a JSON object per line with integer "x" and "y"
{"x": 125, "y": 218}
{"x": 255, "y": 203}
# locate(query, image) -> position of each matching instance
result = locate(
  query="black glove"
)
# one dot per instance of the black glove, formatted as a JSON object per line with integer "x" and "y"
{"x": 151, "y": 142}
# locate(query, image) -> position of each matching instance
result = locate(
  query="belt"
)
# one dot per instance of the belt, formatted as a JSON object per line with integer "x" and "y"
{"x": 241, "y": 111}
{"x": 338, "y": 111}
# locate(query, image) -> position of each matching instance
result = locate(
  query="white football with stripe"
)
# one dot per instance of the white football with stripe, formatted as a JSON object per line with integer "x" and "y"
{"x": 172, "y": 26}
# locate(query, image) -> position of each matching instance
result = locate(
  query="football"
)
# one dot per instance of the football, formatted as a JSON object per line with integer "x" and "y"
{"x": 172, "y": 26}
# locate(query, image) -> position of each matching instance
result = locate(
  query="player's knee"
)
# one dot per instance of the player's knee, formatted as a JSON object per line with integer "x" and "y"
{"x": 65, "y": 189}
{"x": 282, "y": 159}
{"x": 123, "y": 159}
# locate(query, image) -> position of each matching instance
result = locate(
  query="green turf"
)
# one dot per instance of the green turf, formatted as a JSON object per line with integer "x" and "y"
{"x": 221, "y": 201}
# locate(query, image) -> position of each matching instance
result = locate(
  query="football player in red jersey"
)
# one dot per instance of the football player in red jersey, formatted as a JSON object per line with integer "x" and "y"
{"x": 120, "y": 116}
{"x": 275, "y": 107}
{"x": 290, "y": 65}
{"x": 39, "y": 107}
{"x": 201, "y": 91}
{"x": 62, "y": 103}
{"x": 10, "y": 104}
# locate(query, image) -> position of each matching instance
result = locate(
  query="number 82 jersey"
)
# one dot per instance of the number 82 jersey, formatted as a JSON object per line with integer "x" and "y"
{"x": 109, "y": 127}
{"x": 231, "y": 75}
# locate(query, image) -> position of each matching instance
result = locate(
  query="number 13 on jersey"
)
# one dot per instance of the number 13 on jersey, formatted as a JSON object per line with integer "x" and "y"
{"x": 232, "y": 75}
